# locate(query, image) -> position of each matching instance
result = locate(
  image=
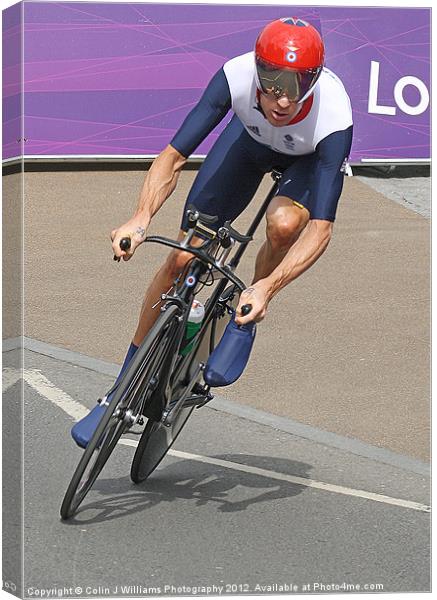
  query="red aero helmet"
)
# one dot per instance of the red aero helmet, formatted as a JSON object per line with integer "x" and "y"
{"x": 289, "y": 56}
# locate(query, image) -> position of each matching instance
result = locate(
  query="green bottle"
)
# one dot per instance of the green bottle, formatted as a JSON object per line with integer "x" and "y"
{"x": 194, "y": 323}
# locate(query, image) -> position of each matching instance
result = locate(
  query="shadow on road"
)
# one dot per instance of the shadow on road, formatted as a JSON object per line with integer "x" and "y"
{"x": 230, "y": 490}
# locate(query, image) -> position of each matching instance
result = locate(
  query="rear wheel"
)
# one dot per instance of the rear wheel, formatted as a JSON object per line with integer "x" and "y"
{"x": 154, "y": 444}
{"x": 133, "y": 391}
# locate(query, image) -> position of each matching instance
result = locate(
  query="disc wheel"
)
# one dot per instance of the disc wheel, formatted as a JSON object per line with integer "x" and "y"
{"x": 154, "y": 444}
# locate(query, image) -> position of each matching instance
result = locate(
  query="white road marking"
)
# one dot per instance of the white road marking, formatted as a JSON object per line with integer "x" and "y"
{"x": 48, "y": 390}
{"x": 320, "y": 485}
{"x": 9, "y": 378}
{"x": 74, "y": 409}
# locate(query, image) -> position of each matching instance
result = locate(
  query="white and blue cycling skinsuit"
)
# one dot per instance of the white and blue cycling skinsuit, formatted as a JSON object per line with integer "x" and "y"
{"x": 311, "y": 149}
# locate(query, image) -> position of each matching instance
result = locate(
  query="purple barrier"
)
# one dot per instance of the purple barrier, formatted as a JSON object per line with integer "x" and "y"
{"x": 118, "y": 79}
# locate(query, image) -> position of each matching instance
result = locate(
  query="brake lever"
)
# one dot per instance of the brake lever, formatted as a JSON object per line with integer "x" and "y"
{"x": 195, "y": 215}
{"x": 238, "y": 237}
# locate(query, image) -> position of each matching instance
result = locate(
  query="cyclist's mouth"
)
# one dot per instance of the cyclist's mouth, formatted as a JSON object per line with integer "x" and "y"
{"x": 280, "y": 116}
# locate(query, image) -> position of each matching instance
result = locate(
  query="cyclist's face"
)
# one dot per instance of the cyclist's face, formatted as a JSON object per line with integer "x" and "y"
{"x": 278, "y": 111}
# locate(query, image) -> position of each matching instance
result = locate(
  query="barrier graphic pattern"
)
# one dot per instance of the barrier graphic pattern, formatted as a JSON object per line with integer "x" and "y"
{"x": 118, "y": 79}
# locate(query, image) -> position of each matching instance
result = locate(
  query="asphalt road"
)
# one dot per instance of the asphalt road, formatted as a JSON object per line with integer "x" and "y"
{"x": 312, "y": 472}
{"x": 345, "y": 348}
{"x": 237, "y": 503}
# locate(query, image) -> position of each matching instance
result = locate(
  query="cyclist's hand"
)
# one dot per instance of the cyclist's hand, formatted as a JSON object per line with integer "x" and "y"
{"x": 257, "y": 296}
{"x": 135, "y": 230}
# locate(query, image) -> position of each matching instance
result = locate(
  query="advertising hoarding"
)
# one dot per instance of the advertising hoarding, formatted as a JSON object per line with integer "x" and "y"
{"x": 117, "y": 80}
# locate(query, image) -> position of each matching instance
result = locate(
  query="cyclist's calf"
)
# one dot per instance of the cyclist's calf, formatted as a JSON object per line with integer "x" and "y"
{"x": 160, "y": 284}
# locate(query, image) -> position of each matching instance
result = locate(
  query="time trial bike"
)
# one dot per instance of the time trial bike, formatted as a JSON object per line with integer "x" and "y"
{"x": 163, "y": 382}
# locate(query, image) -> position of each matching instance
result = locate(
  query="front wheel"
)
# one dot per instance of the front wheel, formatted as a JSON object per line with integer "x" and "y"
{"x": 135, "y": 387}
{"x": 93, "y": 460}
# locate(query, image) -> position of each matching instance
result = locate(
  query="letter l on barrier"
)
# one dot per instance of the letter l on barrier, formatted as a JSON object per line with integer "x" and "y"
{"x": 373, "y": 106}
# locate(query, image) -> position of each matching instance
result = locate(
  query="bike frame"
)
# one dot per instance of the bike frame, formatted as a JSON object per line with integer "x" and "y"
{"x": 168, "y": 369}
{"x": 187, "y": 368}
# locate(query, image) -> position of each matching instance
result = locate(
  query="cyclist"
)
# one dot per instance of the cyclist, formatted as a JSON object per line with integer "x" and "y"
{"x": 289, "y": 112}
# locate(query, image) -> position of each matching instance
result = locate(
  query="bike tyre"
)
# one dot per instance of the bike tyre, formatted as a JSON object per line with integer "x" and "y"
{"x": 76, "y": 492}
{"x": 101, "y": 442}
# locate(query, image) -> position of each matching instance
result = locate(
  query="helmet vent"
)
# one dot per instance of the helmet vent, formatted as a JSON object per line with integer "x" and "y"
{"x": 294, "y": 21}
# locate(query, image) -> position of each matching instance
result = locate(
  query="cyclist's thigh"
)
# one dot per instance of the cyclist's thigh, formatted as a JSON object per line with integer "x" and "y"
{"x": 228, "y": 178}
{"x": 297, "y": 181}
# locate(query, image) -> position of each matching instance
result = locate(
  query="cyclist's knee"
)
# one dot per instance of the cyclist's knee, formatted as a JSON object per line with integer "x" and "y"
{"x": 176, "y": 262}
{"x": 285, "y": 224}
{"x": 178, "y": 259}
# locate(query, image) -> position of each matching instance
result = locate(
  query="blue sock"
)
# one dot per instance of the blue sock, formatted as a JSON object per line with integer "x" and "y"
{"x": 130, "y": 353}
{"x": 84, "y": 429}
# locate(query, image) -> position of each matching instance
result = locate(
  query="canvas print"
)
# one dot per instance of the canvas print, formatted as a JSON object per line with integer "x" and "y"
{"x": 215, "y": 300}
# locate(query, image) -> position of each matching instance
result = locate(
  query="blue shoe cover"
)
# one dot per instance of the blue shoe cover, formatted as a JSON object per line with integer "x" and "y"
{"x": 230, "y": 356}
{"x": 83, "y": 430}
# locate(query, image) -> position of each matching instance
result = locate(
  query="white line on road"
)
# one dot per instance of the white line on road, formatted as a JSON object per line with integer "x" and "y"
{"x": 74, "y": 409}
{"x": 9, "y": 378}
{"x": 320, "y": 485}
{"x": 48, "y": 390}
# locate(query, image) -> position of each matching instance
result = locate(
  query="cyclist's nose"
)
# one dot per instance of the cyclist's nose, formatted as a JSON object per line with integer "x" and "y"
{"x": 284, "y": 101}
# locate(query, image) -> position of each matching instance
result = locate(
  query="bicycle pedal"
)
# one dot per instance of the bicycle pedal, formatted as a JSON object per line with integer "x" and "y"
{"x": 208, "y": 398}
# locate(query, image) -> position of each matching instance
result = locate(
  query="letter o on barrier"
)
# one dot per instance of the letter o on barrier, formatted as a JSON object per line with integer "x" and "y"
{"x": 399, "y": 97}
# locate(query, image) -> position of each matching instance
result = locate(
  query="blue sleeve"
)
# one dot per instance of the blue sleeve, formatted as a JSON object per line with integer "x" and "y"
{"x": 208, "y": 112}
{"x": 328, "y": 177}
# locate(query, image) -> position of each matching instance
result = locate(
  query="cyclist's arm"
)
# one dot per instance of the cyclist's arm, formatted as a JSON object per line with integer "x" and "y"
{"x": 310, "y": 245}
{"x": 207, "y": 114}
{"x": 163, "y": 175}
{"x": 313, "y": 241}
{"x": 159, "y": 184}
